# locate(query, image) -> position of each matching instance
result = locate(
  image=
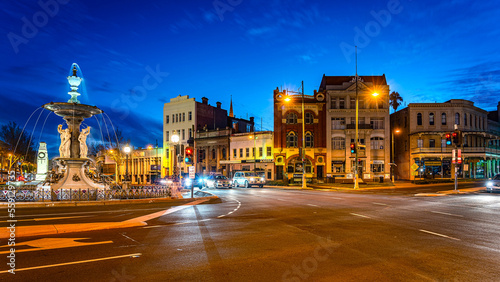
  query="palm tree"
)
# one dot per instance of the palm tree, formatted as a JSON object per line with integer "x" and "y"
{"x": 395, "y": 100}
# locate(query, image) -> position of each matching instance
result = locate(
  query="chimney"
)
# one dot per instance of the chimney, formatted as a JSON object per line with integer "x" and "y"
{"x": 251, "y": 119}
{"x": 204, "y": 100}
{"x": 218, "y": 105}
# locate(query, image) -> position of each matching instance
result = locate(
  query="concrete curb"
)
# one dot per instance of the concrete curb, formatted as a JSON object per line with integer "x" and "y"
{"x": 4, "y": 205}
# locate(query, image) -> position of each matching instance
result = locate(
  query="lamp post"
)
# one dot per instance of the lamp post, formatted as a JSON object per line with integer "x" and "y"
{"x": 254, "y": 151}
{"x": 175, "y": 140}
{"x": 127, "y": 150}
{"x": 392, "y": 162}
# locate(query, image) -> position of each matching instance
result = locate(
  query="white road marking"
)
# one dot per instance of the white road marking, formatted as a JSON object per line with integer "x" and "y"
{"x": 53, "y": 243}
{"x": 313, "y": 205}
{"x": 360, "y": 215}
{"x": 154, "y": 226}
{"x": 206, "y": 219}
{"x": 380, "y": 204}
{"x": 437, "y": 234}
{"x": 129, "y": 238}
{"x": 74, "y": 262}
{"x": 445, "y": 213}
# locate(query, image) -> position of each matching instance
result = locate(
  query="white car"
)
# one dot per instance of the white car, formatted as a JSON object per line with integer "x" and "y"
{"x": 247, "y": 179}
{"x": 493, "y": 184}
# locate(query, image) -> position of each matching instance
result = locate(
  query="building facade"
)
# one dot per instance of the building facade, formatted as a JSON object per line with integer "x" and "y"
{"x": 252, "y": 151}
{"x": 183, "y": 116}
{"x": 373, "y": 126}
{"x": 420, "y": 146}
{"x": 288, "y": 135}
{"x": 211, "y": 151}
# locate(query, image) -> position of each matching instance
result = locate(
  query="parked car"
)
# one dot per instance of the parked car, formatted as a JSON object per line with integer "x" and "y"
{"x": 217, "y": 181}
{"x": 248, "y": 179}
{"x": 493, "y": 184}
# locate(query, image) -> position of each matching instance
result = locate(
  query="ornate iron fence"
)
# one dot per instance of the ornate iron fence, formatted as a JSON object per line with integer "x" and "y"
{"x": 46, "y": 194}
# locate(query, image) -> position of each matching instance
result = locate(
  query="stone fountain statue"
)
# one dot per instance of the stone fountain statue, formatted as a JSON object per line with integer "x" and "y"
{"x": 73, "y": 149}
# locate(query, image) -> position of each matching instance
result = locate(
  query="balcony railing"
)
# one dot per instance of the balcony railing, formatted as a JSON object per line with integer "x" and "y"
{"x": 360, "y": 126}
{"x": 448, "y": 150}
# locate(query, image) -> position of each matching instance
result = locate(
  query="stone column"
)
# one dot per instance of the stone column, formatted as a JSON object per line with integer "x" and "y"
{"x": 73, "y": 123}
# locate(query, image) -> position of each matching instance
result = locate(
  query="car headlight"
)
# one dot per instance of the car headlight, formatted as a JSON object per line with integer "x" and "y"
{"x": 252, "y": 179}
{"x": 188, "y": 181}
{"x": 489, "y": 184}
{"x": 262, "y": 179}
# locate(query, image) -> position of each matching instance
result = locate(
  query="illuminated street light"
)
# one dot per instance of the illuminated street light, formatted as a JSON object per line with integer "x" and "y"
{"x": 127, "y": 150}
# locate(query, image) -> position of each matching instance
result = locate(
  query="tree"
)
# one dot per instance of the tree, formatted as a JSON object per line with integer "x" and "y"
{"x": 18, "y": 143}
{"x": 395, "y": 100}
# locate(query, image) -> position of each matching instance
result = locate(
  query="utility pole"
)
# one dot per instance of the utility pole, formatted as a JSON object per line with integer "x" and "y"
{"x": 304, "y": 185}
{"x": 356, "y": 184}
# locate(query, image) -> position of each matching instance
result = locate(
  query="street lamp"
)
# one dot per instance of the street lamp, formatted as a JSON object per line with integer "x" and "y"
{"x": 393, "y": 163}
{"x": 175, "y": 140}
{"x": 127, "y": 150}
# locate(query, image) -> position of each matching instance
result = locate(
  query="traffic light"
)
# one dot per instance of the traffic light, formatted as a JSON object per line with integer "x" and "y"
{"x": 188, "y": 155}
{"x": 456, "y": 137}
{"x": 448, "y": 139}
{"x": 353, "y": 148}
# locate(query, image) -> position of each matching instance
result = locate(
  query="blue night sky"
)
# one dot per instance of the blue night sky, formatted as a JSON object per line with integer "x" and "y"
{"x": 428, "y": 51}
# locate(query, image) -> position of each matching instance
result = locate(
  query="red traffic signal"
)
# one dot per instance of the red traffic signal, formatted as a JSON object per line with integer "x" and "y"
{"x": 353, "y": 148}
{"x": 448, "y": 139}
{"x": 189, "y": 151}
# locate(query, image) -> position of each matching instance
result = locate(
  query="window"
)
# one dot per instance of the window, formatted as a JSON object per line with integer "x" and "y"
{"x": 241, "y": 152}
{"x": 432, "y": 143}
{"x": 309, "y": 118}
{"x": 377, "y": 167}
{"x": 419, "y": 119}
{"x": 431, "y": 119}
{"x": 260, "y": 152}
{"x": 167, "y": 119}
{"x": 168, "y": 136}
{"x": 338, "y": 123}
{"x": 176, "y": 117}
{"x": 309, "y": 140}
{"x": 341, "y": 103}
{"x": 338, "y": 167}
{"x": 376, "y": 143}
{"x": 253, "y": 152}
{"x": 361, "y": 104}
{"x": 291, "y": 140}
{"x": 457, "y": 118}
{"x": 443, "y": 119}
{"x": 234, "y": 153}
{"x": 190, "y": 115}
{"x": 475, "y": 121}
{"x": 377, "y": 123}
{"x": 173, "y": 118}
{"x": 183, "y": 116}
{"x": 443, "y": 142}
{"x": 352, "y": 103}
{"x": 420, "y": 143}
{"x": 470, "y": 120}
{"x": 213, "y": 155}
{"x": 183, "y": 134}
{"x": 291, "y": 118}
{"x": 247, "y": 152}
{"x": 338, "y": 143}
{"x": 190, "y": 133}
{"x": 269, "y": 151}
{"x": 465, "y": 119}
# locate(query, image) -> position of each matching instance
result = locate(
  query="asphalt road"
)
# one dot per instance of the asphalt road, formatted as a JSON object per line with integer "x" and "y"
{"x": 271, "y": 235}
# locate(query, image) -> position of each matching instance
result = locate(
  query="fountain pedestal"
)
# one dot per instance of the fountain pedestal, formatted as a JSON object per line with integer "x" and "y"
{"x": 74, "y": 176}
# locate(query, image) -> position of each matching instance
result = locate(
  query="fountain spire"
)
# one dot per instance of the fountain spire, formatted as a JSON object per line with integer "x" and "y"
{"x": 74, "y": 81}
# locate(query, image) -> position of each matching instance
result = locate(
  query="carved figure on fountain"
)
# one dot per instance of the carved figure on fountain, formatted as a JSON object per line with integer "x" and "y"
{"x": 83, "y": 142}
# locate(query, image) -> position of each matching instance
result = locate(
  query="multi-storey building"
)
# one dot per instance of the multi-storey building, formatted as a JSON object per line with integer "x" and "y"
{"x": 211, "y": 150}
{"x": 252, "y": 151}
{"x": 373, "y": 126}
{"x": 288, "y": 135}
{"x": 183, "y": 116}
{"x": 420, "y": 146}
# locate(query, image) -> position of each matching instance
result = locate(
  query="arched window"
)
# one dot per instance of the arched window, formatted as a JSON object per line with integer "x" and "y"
{"x": 431, "y": 119}
{"x": 457, "y": 118}
{"x": 443, "y": 118}
{"x": 309, "y": 118}
{"x": 291, "y": 140}
{"x": 465, "y": 119}
{"x": 309, "y": 140}
{"x": 419, "y": 119}
{"x": 291, "y": 118}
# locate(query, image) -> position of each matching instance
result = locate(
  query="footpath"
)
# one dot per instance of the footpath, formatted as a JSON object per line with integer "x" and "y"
{"x": 390, "y": 187}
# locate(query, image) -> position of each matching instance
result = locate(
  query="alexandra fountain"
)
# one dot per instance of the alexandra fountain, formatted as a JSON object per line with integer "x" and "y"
{"x": 73, "y": 148}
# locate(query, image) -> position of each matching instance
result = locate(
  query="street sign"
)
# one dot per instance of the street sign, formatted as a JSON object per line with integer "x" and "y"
{"x": 192, "y": 172}
{"x": 414, "y": 166}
